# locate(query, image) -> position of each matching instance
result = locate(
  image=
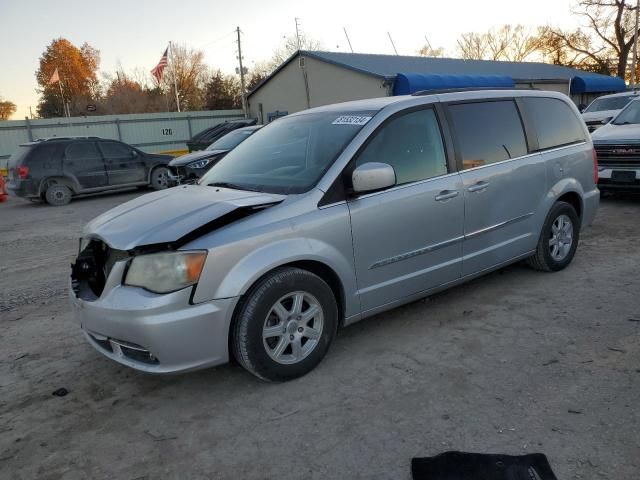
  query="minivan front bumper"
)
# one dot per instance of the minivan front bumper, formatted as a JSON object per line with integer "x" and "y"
{"x": 156, "y": 333}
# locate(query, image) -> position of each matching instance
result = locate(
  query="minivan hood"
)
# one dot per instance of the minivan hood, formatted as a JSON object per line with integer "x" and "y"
{"x": 617, "y": 133}
{"x": 168, "y": 215}
{"x": 190, "y": 157}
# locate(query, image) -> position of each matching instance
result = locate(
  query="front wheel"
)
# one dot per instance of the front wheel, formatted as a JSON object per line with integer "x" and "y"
{"x": 286, "y": 324}
{"x": 160, "y": 178}
{"x": 558, "y": 239}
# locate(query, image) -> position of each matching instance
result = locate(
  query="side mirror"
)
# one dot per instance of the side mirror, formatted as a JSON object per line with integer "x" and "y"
{"x": 373, "y": 176}
{"x": 134, "y": 154}
{"x": 582, "y": 107}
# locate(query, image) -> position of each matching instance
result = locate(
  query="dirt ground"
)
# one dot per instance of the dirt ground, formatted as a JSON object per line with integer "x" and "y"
{"x": 515, "y": 362}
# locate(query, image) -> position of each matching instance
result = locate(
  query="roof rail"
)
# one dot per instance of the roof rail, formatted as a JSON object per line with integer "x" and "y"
{"x": 70, "y": 137}
{"x": 454, "y": 90}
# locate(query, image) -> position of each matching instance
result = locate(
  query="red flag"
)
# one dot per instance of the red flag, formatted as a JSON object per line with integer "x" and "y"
{"x": 159, "y": 69}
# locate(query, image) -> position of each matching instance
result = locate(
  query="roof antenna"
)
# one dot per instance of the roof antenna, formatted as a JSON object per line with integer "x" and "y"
{"x": 391, "y": 40}
{"x": 347, "y": 35}
{"x": 297, "y": 32}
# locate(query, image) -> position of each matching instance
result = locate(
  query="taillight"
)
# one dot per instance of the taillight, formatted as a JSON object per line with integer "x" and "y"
{"x": 595, "y": 167}
{"x": 23, "y": 172}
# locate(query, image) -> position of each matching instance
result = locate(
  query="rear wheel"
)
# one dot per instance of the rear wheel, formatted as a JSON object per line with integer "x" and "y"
{"x": 58, "y": 195}
{"x": 558, "y": 239}
{"x": 286, "y": 325}
{"x": 160, "y": 178}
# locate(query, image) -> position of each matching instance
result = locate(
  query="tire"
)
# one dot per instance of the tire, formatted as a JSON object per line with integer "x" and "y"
{"x": 57, "y": 195}
{"x": 277, "y": 343}
{"x": 160, "y": 178}
{"x": 558, "y": 239}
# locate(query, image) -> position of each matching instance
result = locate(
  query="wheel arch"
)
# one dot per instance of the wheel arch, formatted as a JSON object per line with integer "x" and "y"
{"x": 59, "y": 179}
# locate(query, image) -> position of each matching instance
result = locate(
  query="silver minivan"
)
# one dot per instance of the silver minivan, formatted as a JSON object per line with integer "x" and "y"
{"x": 331, "y": 215}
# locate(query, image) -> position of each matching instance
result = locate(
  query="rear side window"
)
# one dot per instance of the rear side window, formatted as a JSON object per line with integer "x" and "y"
{"x": 488, "y": 132}
{"x": 554, "y": 121}
{"x": 411, "y": 144}
{"x": 19, "y": 156}
{"x": 115, "y": 150}
{"x": 82, "y": 151}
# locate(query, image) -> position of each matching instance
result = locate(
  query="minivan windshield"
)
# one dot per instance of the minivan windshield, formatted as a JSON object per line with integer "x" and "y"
{"x": 289, "y": 155}
{"x": 630, "y": 115}
{"x": 231, "y": 140}
{"x": 610, "y": 103}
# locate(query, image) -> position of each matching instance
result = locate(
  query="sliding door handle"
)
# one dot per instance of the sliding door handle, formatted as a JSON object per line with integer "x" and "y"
{"x": 446, "y": 195}
{"x": 478, "y": 187}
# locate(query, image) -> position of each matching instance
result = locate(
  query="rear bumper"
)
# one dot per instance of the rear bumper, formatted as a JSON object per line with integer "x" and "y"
{"x": 23, "y": 188}
{"x": 591, "y": 201}
{"x": 156, "y": 333}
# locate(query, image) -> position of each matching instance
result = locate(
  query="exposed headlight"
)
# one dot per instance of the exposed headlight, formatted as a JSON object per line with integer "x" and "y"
{"x": 200, "y": 163}
{"x": 166, "y": 272}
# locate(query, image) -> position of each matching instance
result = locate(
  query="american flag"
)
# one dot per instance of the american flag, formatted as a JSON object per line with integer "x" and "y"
{"x": 159, "y": 69}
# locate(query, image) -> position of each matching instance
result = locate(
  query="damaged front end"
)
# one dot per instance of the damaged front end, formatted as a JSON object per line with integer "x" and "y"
{"x": 92, "y": 267}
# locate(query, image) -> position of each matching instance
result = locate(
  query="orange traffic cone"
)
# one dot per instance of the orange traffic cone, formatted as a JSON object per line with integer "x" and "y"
{"x": 3, "y": 190}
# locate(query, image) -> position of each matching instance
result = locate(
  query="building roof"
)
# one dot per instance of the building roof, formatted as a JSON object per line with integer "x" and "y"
{"x": 388, "y": 66}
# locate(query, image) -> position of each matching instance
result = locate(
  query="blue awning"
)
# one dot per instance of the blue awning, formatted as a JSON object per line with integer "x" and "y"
{"x": 408, "y": 83}
{"x": 597, "y": 84}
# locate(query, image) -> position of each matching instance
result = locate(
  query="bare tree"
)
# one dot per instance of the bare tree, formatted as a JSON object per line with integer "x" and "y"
{"x": 428, "y": 51}
{"x": 190, "y": 75}
{"x": 290, "y": 45}
{"x": 607, "y": 37}
{"x": 508, "y": 42}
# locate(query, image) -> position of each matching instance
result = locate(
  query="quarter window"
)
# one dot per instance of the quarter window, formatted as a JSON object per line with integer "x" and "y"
{"x": 488, "y": 132}
{"x": 82, "y": 151}
{"x": 411, "y": 144}
{"x": 555, "y": 123}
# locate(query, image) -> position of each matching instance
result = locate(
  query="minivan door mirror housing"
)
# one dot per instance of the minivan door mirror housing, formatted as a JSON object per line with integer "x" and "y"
{"x": 372, "y": 176}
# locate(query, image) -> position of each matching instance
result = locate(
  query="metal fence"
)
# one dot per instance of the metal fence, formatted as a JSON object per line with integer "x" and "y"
{"x": 151, "y": 132}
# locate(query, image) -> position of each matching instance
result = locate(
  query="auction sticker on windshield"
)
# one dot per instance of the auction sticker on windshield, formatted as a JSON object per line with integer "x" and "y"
{"x": 351, "y": 120}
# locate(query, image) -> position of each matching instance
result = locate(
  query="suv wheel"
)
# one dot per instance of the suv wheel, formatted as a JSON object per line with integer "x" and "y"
{"x": 285, "y": 326}
{"x": 160, "y": 178}
{"x": 58, "y": 195}
{"x": 558, "y": 239}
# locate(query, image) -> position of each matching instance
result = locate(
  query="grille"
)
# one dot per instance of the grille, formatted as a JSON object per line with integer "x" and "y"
{"x": 618, "y": 155}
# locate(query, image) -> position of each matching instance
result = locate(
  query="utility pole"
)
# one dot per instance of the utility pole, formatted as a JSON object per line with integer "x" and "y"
{"x": 297, "y": 32}
{"x": 242, "y": 91}
{"x": 348, "y": 41}
{"x": 635, "y": 49}
{"x": 392, "y": 44}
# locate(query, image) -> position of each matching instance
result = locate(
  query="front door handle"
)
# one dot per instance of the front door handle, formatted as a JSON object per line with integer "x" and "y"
{"x": 478, "y": 187}
{"x": 446, "y": 195}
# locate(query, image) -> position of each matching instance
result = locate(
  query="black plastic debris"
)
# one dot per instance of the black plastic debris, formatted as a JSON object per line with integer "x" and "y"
{"x": 61, "y": 392}
{"x": 479, "y": 466}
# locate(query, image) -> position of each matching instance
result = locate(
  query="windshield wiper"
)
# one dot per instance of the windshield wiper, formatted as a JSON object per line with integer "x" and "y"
{"x": 233, "y": 186}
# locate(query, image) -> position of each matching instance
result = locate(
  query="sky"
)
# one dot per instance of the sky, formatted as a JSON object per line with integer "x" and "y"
{"x": 134, "y": 33}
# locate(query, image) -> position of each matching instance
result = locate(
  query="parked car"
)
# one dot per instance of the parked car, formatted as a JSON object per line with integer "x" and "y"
{"x": 203, "y": 139}
{"x": 329, "y": 216}
{"x": 604, "y": 108}
{"x": 618, "y": 147}
{"x": 190, "y": 167}
{"x": 56, "y": 169}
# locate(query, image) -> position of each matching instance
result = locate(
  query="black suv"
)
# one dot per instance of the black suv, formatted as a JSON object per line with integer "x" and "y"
{"x": 203, "y": 139}
{"x": 56, "y": 169}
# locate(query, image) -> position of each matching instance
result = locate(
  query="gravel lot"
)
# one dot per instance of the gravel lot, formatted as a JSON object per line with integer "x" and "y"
{"x": 515, "y": 362}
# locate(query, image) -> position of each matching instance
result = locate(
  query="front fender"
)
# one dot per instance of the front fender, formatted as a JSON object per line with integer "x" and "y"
{"x": 240, "y": 276}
